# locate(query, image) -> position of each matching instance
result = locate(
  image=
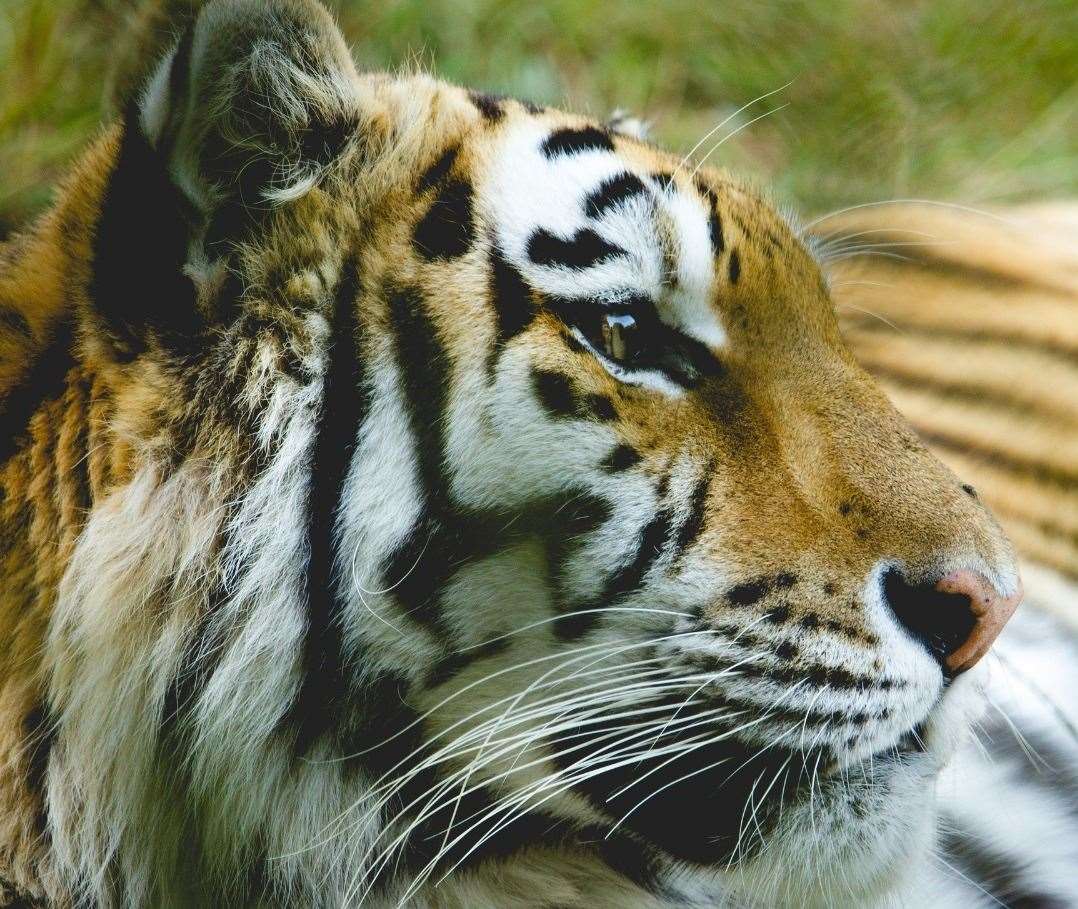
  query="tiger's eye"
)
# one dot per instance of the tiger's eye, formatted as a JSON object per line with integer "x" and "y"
{"x": 620, "y": 336}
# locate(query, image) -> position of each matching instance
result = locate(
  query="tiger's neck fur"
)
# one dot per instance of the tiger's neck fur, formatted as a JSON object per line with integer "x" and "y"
{"x": 57, "y": 460}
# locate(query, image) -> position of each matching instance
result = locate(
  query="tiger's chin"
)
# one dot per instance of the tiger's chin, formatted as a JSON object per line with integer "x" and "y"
{"x": 864, "y": 834}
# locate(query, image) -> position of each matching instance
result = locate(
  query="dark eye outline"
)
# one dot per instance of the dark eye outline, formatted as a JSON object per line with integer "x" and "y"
{"x": 643, "y": 341}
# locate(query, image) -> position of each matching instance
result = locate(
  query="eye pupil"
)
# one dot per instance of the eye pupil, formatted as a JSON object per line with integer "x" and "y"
{"x": 620, "y": 336}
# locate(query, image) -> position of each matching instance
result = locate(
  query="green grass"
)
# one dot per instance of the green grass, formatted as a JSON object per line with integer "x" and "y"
{"x": 957, "y": 99}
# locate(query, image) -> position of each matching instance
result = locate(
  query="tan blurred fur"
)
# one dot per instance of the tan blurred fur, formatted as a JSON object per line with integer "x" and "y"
{"x": 970, "y": 322}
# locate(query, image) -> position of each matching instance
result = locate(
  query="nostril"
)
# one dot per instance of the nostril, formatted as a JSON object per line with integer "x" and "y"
{"x": 942, "y": 620}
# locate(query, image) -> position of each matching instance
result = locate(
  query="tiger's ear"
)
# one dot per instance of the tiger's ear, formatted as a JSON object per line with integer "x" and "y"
{"x": 249, "y": 111}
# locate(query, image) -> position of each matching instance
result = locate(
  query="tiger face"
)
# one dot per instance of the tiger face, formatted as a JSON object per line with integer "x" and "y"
{"x": 496, "y": 490}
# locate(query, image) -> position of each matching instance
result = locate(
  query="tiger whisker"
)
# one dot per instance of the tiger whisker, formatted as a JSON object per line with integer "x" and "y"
{"x": 733, "y": 133}
{"x": 455, "y": 748}
{"x": 519, "y": 799}
{"x": 875, "y": 315}
{"x": 431, "y": 804}
{"x": 934, "y": 202}
{"x": 1064, "y": 720}
{"x": 486, "y": 679}
{"x": 668, "y": 785}
{"x": 692, "y": 151}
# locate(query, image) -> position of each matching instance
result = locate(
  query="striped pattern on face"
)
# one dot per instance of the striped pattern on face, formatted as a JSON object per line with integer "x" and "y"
{"x": 586, "y": 225}
{"x": 491, "y": 517}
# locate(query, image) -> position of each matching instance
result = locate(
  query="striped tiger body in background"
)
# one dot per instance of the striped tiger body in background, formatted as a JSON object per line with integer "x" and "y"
{"x": 969, "y": 319}
{"x": 418, "y": 498}
{"x": 970, "y": 322}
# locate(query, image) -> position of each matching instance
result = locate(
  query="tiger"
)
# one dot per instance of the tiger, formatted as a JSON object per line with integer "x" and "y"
{"x": 416, "y": 497}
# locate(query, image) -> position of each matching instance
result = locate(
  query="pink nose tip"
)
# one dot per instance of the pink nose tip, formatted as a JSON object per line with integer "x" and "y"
{"x": 990, "y": 611}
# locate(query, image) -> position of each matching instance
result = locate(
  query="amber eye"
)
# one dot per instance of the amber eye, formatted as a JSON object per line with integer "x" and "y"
{"x": 621, "y": 336}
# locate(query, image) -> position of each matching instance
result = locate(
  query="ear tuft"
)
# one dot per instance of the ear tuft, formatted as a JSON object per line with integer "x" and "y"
{"x": 625, "y": 124}
{"x": 251, "y": 109}
{"x": 255, "y": 102}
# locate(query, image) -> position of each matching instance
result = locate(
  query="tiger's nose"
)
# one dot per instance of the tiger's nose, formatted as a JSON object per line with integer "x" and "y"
{"x": 957, "y": 619}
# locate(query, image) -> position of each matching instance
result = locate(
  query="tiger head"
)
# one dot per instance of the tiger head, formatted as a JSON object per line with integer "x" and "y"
{"x": 489, "y": 488}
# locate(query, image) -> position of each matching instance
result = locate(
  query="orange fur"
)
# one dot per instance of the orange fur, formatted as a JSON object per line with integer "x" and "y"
{"x": 810, "y": 458}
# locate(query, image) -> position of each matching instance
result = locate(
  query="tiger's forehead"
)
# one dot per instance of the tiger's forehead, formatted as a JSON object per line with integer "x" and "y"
{"x": 593, "y": 217}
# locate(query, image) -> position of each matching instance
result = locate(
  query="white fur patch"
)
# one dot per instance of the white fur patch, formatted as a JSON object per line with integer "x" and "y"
{"x": 527, "y": 191}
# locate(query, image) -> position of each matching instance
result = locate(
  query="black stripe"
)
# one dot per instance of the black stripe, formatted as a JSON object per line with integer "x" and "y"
{"x": 195, "y": 668}
{"x": 562, "y": 400}
{"x": 447, "y": 230}
{"x": 819, "y": 675}
{"x": 696, "y": 818}
{"x": 612, "y": 192}
{"x": 456, "y": 662}
{"x": 382, "y": 730}
{"x": 714, "y": 225}
{"x": 585, "y": 249}
{"x": 39, "y": 737}
{"x": 575, "y": 141}
{"x": 424, "y": 369}
{"x": 14, "y": 322}
{"x": 419, "y": 565}
{"x": 621, "y": 458}
{"x": 554, "y": 392}
{"x": 1046, "y": 473}
{"x": 694, "y": 522}
{"x": 734, "y": 266}
{"x": 568, "y": 523}
{"x": 598, "y": 407}
{"x": 512, "y": 298}
{"x": 530, "y": 830}
{"x": 1067, "y": 353}
{"x": 625, "y": 580}
{"x": 344, "y": 403}
{"x": 78, "y": 479}
{"x": 43, "y": 381}
{"x": 1000, "y": 875}
{"x": 490, "y": 106}
{"x": 751, "y": 592}
{"x": 714, "y": 222}
{"x": 927, "y": 259}
{"x": 1038, "y": 758}
{"x": 665, "y": 181}
{"x": 970, "y": 393}
{"x": 444, "y": 538}
{"x": 439, "y": 170}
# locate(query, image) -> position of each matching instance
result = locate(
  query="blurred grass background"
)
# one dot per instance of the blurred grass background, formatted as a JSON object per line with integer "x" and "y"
{"x": 955, "y": 99}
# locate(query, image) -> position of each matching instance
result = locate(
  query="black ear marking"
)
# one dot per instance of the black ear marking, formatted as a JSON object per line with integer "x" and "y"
{"x": 249, "y": 111}
{"x": 139, "y": 286}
